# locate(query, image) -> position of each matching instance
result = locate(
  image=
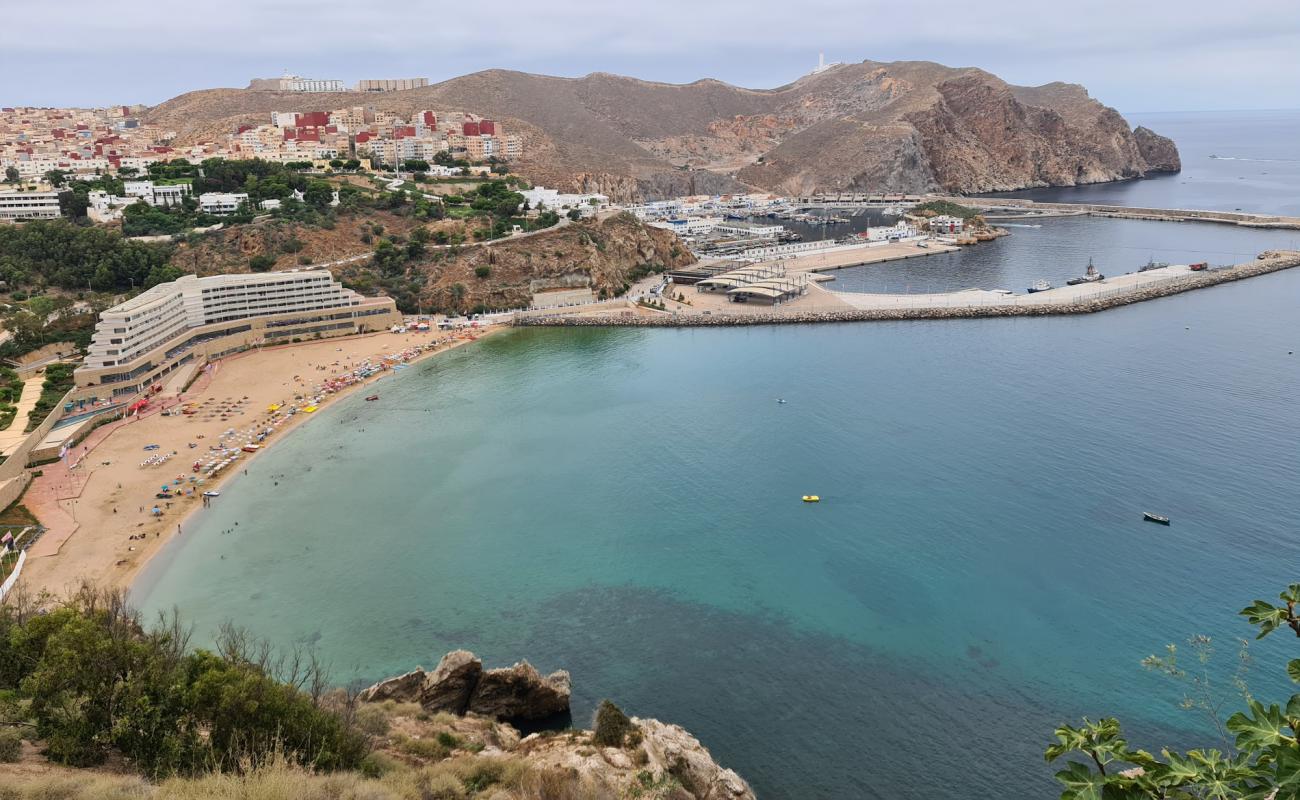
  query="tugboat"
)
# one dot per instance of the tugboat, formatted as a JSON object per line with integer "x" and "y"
{"x": 1156, "y": 518}
{"x": 1091, "y": 276}
{"x": 1039, "y": 285}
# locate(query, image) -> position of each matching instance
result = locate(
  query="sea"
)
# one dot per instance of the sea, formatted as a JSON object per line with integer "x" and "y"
{"x": 626, "y": 504}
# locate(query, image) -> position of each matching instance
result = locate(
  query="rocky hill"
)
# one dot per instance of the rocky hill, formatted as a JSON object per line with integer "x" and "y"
{"x": 606, "y": 255}
{"x": 900, "y": 126}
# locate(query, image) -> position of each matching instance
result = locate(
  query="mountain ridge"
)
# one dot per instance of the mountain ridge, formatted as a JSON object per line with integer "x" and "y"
{"x": 871, "y": 126}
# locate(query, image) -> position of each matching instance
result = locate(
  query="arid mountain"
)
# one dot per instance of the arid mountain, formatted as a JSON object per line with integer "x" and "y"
{"x": 901, "y": 126}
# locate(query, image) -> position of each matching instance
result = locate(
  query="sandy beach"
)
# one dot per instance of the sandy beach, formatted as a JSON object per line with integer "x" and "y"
{"x": 98, "y": 503}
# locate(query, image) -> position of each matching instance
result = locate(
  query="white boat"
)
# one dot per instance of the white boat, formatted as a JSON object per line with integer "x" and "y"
{"x": 1039, "y": 285}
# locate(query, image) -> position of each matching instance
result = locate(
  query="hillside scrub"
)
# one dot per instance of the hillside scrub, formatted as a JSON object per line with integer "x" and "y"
{"x": 90, "y": 681}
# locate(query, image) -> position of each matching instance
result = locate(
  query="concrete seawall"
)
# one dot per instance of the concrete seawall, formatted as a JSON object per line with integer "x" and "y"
{"x": 1270, "y": 262}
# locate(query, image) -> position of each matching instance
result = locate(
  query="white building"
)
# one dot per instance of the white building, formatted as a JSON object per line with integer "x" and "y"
{"x": 553, "y": 199}
{"x": 748, "y": 229}
{"x": 29, "y": 205}
{"x": 945, "y": 224}
{"x": 689, "y": 226}
{"x": 221, "y": 203}
{"x": 168, "y": 194}
{"x": 148, "y": 336}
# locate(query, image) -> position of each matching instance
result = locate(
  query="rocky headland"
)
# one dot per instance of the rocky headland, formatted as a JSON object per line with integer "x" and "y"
{"x": 906, "y": 126}
{"x": 620, "y": 756}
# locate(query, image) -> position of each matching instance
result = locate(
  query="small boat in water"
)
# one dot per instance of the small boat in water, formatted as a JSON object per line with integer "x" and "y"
{"x": 372, "y": 397}
{"x": 811, "y": 498}
{"x": 1091, "y": 276}
{"x": 1039, "y": 285}
{"x": 1156, "y": 518}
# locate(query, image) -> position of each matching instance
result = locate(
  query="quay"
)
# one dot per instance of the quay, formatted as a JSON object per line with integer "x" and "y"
{"x": 973, "y": 303}
{"x": 1009, "y": 209}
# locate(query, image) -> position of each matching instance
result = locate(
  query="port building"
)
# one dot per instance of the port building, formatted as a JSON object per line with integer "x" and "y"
{"x": 187, "y": 322}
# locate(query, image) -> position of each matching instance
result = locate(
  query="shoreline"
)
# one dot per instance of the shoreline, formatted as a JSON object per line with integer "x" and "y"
{"x": 93, "y": 547}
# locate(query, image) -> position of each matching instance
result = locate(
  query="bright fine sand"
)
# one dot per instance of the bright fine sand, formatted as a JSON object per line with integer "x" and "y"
{"x": 97, "y": 503}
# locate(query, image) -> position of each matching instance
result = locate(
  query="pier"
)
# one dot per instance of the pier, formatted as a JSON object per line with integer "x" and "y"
{"x": 973, "y": 303}
{"x": 1012, "y": 209}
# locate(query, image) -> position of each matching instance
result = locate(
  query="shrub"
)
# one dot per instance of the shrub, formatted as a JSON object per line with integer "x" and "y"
{"x": 448, "y": 740}
{"x": 482, "y": 272}
{"x": 430, "y": 749}
{"x": 372, "y": 719}
{"x": 611, "y": 726}
{"x": 11, "y": 746}
{"x": 261, "y": 262}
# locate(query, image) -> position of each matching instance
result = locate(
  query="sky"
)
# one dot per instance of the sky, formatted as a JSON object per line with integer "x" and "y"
{"x": 1135, "y": 55}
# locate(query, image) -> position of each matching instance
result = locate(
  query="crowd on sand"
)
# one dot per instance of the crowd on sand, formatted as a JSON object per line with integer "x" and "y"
{"x": 182, "y": 447}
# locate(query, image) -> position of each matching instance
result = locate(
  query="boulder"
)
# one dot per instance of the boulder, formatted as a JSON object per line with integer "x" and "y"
{"x": 520, "y": 692}
{"x": 403, "y": 689}
{"x": 450, "y": 686}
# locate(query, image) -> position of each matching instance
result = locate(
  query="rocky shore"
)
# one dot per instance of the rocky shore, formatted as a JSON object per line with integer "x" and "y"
{"x": 620, "y": 757}
{"x": 1268, "y": 262}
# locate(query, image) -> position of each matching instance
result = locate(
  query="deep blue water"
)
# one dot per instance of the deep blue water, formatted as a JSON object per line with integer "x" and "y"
{"x": 1232, "y": 160}
{"x": 625, "y": 504}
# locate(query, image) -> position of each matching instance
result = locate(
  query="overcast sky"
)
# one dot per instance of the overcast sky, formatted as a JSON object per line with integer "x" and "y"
{"x": 1136, "y": 55}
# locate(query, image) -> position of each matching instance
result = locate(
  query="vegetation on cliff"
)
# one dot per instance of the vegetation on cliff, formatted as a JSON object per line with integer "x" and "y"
{"x": 94, "y": 704}
{"x": 1257, "y": 757}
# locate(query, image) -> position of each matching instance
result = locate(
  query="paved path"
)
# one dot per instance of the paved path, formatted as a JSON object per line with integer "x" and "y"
{"x": 13, "y": 436}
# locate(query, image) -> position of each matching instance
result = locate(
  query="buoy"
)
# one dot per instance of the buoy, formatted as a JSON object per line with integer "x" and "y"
{"x": 811, "y": 498}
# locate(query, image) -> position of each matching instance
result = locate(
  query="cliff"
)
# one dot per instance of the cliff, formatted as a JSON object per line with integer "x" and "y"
{"x": 899, "y": 126}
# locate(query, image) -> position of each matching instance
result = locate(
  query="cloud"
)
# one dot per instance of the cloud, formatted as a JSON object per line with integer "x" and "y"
{"x": 1155, "y": 54}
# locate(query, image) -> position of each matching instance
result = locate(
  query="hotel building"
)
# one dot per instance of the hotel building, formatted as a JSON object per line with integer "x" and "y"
{"x": 29, "y": 205}
{"x": 190, "y": 321}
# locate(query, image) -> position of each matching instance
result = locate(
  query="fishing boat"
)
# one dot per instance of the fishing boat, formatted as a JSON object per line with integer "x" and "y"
{"x": 212, "y": 493}
{"x": 811, "y": 498}
{"x": 1091, "y": 276}
{"x": 1039, "y": 285}
{"x": 1156, "y": 518}
{"x": 371, "y": 397}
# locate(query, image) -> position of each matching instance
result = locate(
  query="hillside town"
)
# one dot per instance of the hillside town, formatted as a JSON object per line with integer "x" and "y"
{"x": 116, "y": 140}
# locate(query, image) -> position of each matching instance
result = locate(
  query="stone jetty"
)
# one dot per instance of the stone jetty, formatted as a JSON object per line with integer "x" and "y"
{"x": 1268, "y": 262}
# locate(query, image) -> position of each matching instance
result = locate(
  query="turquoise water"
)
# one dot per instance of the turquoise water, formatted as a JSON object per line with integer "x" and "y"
{"x": 625, "y": 504}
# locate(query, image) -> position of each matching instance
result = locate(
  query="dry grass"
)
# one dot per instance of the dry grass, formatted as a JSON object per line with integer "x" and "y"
{"x": 460, "y": 778}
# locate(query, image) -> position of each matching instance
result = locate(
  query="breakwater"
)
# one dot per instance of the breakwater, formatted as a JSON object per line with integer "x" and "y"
{"x": 1272, "y": 261}
{"x": 1030, "y": 209}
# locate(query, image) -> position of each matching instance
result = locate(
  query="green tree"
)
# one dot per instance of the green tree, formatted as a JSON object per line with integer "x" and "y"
{"x": 56, "y": 177}
{"x": 1263, "y": 760}
{"x": 318, "y": 194}
{"x": 11, "y": 175}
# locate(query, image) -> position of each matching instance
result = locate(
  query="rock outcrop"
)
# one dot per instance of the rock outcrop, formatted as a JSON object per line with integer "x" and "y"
{"x": 451, "y": 684}
{"x": 403, "y": 688}
{"x": 1159, "y": 152}
{"x": 873, "y": 126}
{"x": 520, "y": 692}
{"x": 460, "y": 685}
{"x": 647, "y": 759}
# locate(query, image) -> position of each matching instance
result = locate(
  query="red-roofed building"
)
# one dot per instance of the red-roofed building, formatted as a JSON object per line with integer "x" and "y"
{"x": 313, "y": 118}
{"x": 470, "y": 129}
{"x": 487, "y": 127}
{"x": 430, "y": 120}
